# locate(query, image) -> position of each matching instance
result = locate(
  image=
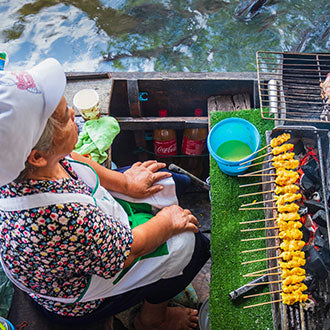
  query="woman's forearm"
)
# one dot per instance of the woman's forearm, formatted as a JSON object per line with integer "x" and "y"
{"x": 110, "y": 180}
{"x": 148, "y": 237}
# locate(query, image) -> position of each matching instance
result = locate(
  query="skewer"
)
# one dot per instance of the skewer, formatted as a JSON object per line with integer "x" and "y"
{"x": 263, "y": 270}
{"x": 262, "y": 283}
{"x": 268, "y": 153}
{"x": 263, "y": 228}
{"x": 258, "y": 260}
{"x": 263, "y": 148}
{"x": 255, "y": 184}
{"x": 258, "y": 238}
{"x": 262, "y": 294}
{"x": 256, "y": 193}
{"x": 255, "y": 221}
{"x": 260, "y": 202}
{"x": 261, "y": 249}
{"x": 264, "y": 303}
{"x": 257, "y": 208}
{"x": 259, "y": 171}
{"x": 258, "y": 174}
{"x": 275, "y": 142}
{"x": 258, "y": 275}
{"x": 255, "y": 164}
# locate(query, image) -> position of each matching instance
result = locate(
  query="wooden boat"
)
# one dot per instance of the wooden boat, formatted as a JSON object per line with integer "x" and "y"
{"x": 134, "y": 100}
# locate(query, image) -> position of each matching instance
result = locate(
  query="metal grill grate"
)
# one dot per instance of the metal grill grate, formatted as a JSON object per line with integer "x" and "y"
{"x": 289, "y": 86}
{"x": 299, "y": 317}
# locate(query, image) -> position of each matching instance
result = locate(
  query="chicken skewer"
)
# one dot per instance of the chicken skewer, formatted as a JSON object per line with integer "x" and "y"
{"x": 280, "y": 200}
{"x": 287, "y": 245}
{"x": 282, "y": 179}
{"x": 287, "y": 256}
{"x": 275, "y": 142}
{"x": 281, "y": 208}
{"x": 282, "y": 226}
{"x": 289, "y": 165}
{"x": 290, "y": 188}
{"x": 287, "y": 222}
{"x": 276, "y": 151}
{"x": 281, "y": 157}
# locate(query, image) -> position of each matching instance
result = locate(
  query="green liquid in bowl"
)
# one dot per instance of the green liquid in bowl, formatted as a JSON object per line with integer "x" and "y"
{"x": 233, "y": 150}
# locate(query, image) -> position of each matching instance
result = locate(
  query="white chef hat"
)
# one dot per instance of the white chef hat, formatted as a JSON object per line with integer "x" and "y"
{"x": 27, "y": 99}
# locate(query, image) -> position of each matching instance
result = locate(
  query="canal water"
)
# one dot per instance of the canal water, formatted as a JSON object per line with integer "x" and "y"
{"x": 163, "y": 35}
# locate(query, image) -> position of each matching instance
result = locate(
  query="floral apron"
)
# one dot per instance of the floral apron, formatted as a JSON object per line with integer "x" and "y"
{"x": 169, "y": 262}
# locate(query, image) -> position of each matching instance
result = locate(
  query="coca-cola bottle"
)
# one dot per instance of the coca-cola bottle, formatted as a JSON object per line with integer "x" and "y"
{"x": 193, "y": 145}
{"x": 165, "y": 144}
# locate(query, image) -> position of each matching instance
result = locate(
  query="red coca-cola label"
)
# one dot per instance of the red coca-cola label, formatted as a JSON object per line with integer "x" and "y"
{"x": 165, "y": 148}
{"x": 192, "y": 147}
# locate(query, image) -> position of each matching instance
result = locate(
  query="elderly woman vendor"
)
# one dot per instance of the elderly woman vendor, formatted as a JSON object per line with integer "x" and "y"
{"x": 77, "y": 251}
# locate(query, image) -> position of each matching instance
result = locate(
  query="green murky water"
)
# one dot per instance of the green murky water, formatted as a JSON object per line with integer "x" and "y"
{"x": 135, "y": 35}
{"x": 233, "y": 150}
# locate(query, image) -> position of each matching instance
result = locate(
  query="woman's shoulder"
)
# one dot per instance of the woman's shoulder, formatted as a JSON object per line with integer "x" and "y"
{"x": 72, "y": 184}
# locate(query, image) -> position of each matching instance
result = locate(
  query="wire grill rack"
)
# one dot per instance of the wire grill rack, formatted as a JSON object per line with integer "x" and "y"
{"x": 289, "y": 86}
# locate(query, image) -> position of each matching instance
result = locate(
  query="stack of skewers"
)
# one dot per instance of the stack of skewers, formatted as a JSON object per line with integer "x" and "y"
{"x": 287, "y": 222}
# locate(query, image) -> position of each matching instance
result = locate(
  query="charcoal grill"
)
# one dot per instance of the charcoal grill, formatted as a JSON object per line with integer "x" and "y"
{"x": 296, "y": 317}
{"x": 289, "y": 87}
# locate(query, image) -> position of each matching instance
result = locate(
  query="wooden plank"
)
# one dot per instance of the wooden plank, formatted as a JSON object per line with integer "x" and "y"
{"x": 184, "y": 75}
{"x": 228, "y": 103}
{"x": 133, "y": 98}
{"x": 87, "y": 75}
{"x": 242, "y": 101}
{"x": 135, "y": 111}
{"x": 143, "y": 123}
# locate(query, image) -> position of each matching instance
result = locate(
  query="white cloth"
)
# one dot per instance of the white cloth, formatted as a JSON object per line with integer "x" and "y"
{"x": 27, "y": 99}
{"x": 143, "y": 272}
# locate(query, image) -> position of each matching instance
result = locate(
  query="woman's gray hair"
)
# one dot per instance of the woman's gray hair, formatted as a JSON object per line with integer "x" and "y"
{"x": 45, "y": 144}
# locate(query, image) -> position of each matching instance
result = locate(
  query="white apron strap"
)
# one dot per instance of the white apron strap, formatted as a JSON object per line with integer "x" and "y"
{"x": 43, "y": 199}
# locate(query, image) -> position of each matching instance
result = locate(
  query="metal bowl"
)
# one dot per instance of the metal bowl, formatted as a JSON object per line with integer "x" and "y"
{"x": 203, "y": 317}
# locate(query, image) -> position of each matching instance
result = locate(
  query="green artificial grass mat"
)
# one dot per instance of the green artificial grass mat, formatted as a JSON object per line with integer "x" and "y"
{"x": 226, "y": 245}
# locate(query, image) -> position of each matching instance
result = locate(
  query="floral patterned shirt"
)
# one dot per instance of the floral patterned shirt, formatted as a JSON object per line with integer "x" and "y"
{"x": 55, "y": 249}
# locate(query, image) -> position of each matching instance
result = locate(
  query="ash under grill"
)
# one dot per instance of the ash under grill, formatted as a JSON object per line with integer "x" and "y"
{"x": 316, "y": 313}
{"x": 289, "y": 87}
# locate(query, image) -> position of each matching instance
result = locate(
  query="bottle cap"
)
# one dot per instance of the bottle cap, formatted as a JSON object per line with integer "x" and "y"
{"x": 162, "y": 113}
{"x": 198, "y": 112}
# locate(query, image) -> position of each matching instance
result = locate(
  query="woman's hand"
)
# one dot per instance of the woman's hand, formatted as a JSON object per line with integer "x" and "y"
{"x": 141, "y": 178}
{"x": 179, "y": 219}
{"x": 170, "y": 221}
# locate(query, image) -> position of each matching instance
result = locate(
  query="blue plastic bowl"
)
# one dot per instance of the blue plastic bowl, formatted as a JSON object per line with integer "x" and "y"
{"x": 233, "y": 129}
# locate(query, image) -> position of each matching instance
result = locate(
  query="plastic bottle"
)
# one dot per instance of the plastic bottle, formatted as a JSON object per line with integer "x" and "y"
{"x": 165, "y": 144}
{"x": 193, "y": 144}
